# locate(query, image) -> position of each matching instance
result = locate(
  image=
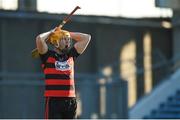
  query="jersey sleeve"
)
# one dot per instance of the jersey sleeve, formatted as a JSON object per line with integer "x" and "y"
{"x": 73, "y": 53}
{"x": 45, "y": 56}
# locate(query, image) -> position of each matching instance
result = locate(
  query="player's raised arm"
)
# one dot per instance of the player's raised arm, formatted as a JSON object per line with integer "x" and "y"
{"x": 41, "y": 43}
{"x": 82, "y": 40}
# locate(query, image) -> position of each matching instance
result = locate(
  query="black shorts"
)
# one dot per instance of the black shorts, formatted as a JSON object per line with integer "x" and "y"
{"x": 60, "y": 108}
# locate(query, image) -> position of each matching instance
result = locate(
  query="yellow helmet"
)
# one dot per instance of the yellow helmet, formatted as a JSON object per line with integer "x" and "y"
{"x": 57, "y": 35}
{"x": 65, "y": 33}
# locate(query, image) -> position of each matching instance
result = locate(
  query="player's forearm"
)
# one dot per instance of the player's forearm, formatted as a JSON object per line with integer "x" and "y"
{"x": 44, "y": 36}
{"x": 77, "y": 36}
{"x": 82, "y": 40}
{"x": 41, "y": 42}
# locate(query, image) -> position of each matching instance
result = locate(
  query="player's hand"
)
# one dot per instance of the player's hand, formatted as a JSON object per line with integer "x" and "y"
{"x": 55, "y": 36}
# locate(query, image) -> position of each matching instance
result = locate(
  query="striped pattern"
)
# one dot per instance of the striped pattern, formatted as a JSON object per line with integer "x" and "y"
{"x": 53, "y": 70}
{"x": 60, "y": 93}
{"x": 59, "y": 83}
{"x": 57, "y": 76}
{"x": 59, "y": 87}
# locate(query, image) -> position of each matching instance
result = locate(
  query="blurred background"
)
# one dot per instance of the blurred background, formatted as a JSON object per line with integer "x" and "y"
{"x": 129, "y": 70}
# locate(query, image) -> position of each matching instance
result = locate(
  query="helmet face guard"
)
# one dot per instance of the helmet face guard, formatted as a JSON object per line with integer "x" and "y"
{"x": 69, "y": 39}
{"x": 64, "y": 44}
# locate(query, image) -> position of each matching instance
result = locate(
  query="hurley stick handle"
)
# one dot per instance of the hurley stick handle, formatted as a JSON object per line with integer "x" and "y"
{"x": 34, "y": 52}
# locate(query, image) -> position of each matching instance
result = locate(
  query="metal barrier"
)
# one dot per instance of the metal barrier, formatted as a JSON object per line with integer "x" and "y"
{"x": 97, "y": 98}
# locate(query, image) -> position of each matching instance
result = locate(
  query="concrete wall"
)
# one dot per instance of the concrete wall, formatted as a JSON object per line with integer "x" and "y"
{"x": 18, "y": 31}
{"x": 176, "y": 37}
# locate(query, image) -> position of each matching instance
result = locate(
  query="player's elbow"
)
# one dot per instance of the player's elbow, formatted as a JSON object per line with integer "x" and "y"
{"x": 38, "y": 38}
{"x": 88, "y": 38}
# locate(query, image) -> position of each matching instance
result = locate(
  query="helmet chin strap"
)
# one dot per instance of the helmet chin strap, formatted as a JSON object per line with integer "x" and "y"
{"x": 57, "y": 44}
{"x": 66, "y": 46}
{"x": 64, "y": 50}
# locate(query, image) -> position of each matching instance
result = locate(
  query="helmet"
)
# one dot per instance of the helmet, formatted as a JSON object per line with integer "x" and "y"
{"x": 65, "y": 33}
{"x": 57, "y": 35}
